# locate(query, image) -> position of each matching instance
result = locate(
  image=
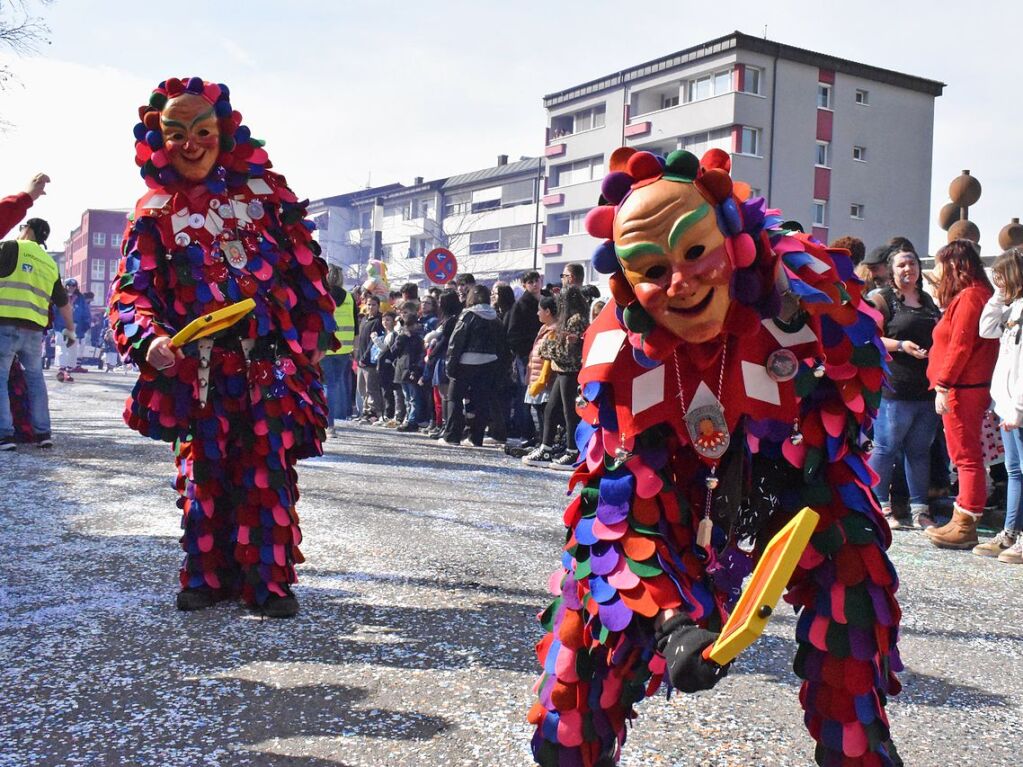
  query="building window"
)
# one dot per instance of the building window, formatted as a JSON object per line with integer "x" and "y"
{"x": 365, "y": 219}
{"x": 115, "y": 240}
{"x": 823, "y": 96}
{"x": 457, "y": 204}
{"x": 484, "y": 241}
{"x": 751, "y": 80}
{"x": 860, "y": 153}
{"x": 856, "y": 210}
{"x": 113, "y": 267}
{"x": 667, "y": 102}
{"x": 561, "y": 224}
{"x": 577, "y": 172}
{"x": 486, "y": 199}
{"x": 698, "y": 143}
{"x": 421, "y": 208}
{"x": 706, "y": 86}
{"x": 517, "y": 237}
{"x": 99, "y": 291}
{"x": 750, "y": 141}
{"x": 99, "y": 239}
{"x": 820, "y": 212}
{"x": 862, "y": 97}
{"x": 99, "y": 269}
{"x": 583, "y": 120}
{"x": 823, "y": 154}
{"x": 396, "y": 210}
{"x": 518, "y": 193}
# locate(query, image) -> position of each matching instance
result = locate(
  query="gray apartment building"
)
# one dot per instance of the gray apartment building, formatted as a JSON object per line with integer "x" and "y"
{"x": 842, "y": 147}
{"x": 488, "y": 218}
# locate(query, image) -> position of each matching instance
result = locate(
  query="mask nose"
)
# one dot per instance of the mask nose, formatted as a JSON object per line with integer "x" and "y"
{"x": 681, "y": 285}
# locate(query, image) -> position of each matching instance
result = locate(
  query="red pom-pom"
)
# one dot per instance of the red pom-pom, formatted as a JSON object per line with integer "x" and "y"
{"x": 600, "y": 222}
{"x": 619, "y": 159}
{"x": 716, "y": 158}
{"x": 717, "y": 183}
{"x": 174, "y": 87}
{"x": 151, "y": 119}
{"x": 643, "y": 166}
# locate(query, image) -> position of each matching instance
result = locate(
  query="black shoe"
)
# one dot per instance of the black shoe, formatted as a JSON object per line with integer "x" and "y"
{"x": 8, "y": 443}
{"x": 407, "y": 427}
{"x": 44, "y": 440}
{"x": 190, "y": 600}
{"x": 280, "y": 607}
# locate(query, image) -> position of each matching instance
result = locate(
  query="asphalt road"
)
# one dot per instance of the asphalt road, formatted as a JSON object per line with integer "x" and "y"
{"x": 414, "y": 645}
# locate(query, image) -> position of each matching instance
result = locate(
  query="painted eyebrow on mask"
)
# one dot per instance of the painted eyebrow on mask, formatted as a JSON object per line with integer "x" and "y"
{"x": 198, "y": 118}
{"x": 625, "y": 252}
{"x": 686, "y": 222}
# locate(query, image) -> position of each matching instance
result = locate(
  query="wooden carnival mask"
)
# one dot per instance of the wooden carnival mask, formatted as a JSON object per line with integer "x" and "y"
{"x": 191, "y": 135}
{"x": 672, "y": 253}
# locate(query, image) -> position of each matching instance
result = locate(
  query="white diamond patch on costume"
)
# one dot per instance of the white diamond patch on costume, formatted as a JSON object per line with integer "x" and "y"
{"x": 759, "y": 385}
{"x": 605, "y": 347}
{"x": 817, "y": 265}
{"x": 804, "y": 335}
{"x": 179, "y": 220}
{"x": 157, "y": 201}
{"x": 648, "y": 390}
{"x": 259, "y": 186}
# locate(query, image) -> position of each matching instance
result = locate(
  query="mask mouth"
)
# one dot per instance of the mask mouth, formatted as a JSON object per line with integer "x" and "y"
{"x": 696, "y": 308}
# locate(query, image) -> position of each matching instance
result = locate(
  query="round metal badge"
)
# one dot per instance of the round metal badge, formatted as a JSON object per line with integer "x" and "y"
{"x": 782, "y": 365}
{"x": 255, "y": 210}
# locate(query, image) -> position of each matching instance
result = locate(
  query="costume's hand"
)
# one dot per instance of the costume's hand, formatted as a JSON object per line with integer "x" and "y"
{"x": 161, "y": 355}
{"x": 940, "y": 403}
{"x": 69, "y": 337}
{"x": 317, "y": 356}
{"x": 37, "y": 186}
{"x": 682, "y": 643}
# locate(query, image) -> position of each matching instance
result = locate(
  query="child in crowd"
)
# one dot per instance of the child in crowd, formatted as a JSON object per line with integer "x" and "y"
{"x": 539, "y": 376}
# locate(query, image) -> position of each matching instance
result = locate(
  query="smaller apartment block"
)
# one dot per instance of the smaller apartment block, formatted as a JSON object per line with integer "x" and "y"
{"x": 842, "y": 147}
{"x": 487, "y": 218}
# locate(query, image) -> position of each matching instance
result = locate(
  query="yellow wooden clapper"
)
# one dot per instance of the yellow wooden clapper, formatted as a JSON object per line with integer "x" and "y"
{"x": 213, "y": 322}
{"x": 758, "y": 600}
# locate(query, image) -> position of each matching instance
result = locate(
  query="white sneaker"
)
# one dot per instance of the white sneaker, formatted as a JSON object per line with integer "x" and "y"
{"x": 541, "y": 455}
{"x": 566, "y": 461}
{"x": 491, "y": 442}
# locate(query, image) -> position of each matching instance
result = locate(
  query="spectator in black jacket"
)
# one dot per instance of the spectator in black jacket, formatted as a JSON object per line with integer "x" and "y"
{"x": 409, "y": 352}
{"x": 435, "y": 372}
{"x": 369, "y": 380}
{"x": 523, "y": 325}
{"x": 477, "y": 353}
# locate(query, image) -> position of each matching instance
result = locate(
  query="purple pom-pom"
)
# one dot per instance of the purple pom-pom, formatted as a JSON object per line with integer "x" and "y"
{"x": 604, "y": 259}
{"x": 154, "y": 138}
{"x": 730, "y": 216}
{"x": 167, "y": 176}
{"x": 615, "y": 186}
{"x": 195, "y": 85}
{"x": 222, "y": 108}
{"x": 242, "y": 134}
{"x": 225, "y": 93}
{"x": 643, "y": 360}
{"x": 753, "y": 212}
{"x": 140, "y": 132}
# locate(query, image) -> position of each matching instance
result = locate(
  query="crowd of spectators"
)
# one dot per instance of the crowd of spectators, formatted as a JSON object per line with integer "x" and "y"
{"x": 468, "y": 365}
{"x": 954, "y": 398}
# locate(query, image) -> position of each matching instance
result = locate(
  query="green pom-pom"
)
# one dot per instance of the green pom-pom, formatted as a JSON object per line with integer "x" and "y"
{"x": 637, "y": 320}
{"x": 643, "y": 569}
{"x": 227, "y": 143}
{"x": 681, "y": 165}
{"x": 828, "y": 540}
{"x": 859, "y": 610}
{"x": 858, "y": 529}
{"x": 837, "y": 640}
{"x": 158, "y": 101}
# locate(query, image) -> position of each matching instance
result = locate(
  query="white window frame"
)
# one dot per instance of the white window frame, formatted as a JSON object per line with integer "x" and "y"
{"x": 101, "y": 272}
{"x": 825, "y": 161}
{"x": 862, "y": 152}
{"x": 595, "y": 171}
{"x": 856, "y": 210}
{"x": 670, "y": 100}
{"x": 99, "y": 239}
{"x": 760, "y": 80}
{"x": 573, "y": 220}
{"x": 113, "y": 266}
{"x": 862, "y": 97}
{"x": 115, "y": 240}
{"x": 822, "y": 206}
{"x": 755, "y": 132}
{"x": 827, "y": 90}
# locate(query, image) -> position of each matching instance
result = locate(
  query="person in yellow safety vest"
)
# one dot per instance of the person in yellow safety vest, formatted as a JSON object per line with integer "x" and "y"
{"x": 29, "y": 283}
{"x": 337, "y": 364}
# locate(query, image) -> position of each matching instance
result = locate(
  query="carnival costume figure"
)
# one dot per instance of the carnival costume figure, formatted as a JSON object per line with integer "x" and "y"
{"x": 216, "y": 227}
{"x": 731, "y": 383}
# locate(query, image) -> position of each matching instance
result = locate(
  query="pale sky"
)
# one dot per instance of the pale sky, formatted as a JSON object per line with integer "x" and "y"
{"x": 353, "y": 90}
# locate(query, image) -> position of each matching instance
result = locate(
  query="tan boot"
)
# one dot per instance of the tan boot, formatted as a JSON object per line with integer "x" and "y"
{"x": 960, "y": 533}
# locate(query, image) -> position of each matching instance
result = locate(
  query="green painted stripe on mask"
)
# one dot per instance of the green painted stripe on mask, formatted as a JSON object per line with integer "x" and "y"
{"x": 625, "y": 252}
{"x": 687, "y": 222}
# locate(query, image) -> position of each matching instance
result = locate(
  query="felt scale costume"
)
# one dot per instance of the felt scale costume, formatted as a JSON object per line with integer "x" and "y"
{"x": 731, "y": 383}
{"x": 216, "y": 227}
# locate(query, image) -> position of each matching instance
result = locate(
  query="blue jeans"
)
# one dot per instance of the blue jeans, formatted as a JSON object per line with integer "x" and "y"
{"x": 337, "y": 370}
{"x": 414, "y": 410}
{"x": 28, "y": 345}
{"x": 903, "y": 432}
{"x": 1013, "y": 441}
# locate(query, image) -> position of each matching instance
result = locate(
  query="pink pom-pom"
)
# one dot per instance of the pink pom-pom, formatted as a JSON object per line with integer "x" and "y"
{"x": 600, "y": 222}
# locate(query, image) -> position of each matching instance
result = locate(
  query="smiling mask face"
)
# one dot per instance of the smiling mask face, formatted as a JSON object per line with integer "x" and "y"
{"x": 673, "y": 254}
{"x": 191, "y": 135}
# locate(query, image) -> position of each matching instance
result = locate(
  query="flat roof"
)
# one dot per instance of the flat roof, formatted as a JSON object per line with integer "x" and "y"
{"x": 740, "y": 41}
